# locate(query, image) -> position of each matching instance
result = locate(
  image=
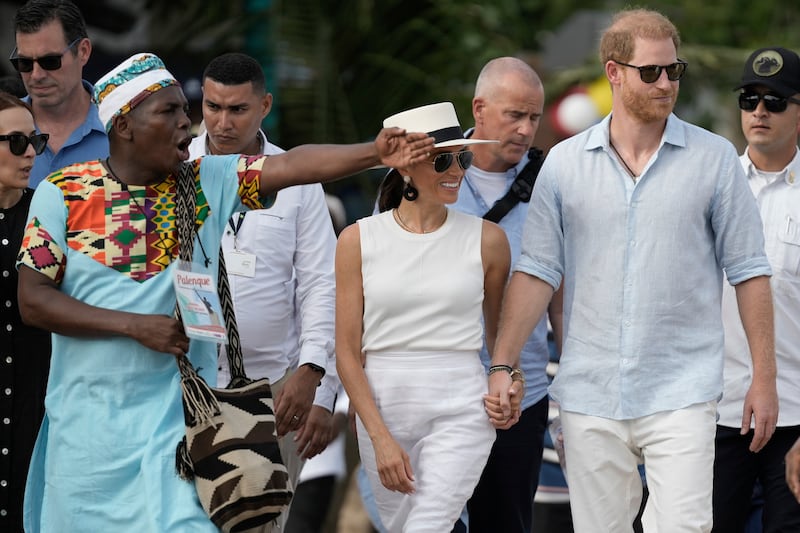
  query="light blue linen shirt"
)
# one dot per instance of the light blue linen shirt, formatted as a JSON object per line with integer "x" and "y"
{"x": 535, "y": 354}
{"x": 642, "y": 266}
{"x": 86, "y": 143}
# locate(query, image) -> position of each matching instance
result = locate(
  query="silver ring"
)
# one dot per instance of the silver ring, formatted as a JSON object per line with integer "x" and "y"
{"x": 295, "y": 417}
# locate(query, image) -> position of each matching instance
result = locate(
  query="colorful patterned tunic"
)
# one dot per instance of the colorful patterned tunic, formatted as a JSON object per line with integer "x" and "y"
{"x": 105, "y": 456}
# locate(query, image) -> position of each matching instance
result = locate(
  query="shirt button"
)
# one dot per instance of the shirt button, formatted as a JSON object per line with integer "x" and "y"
{"x": 7, "y": 391}
{"x": 5, "y": 273}
{"x": 3, "y": 512}
{"x": 9, "y": 327}
{"x": 9, "y": 359}
{"x": 8, "y": 303}
{"x": 3, "y": 483}
{"x": 6, "y": 421}
{"x": 627, "y": 323}
{"x": 4, "y": 451}
{"x": 5, "y": 242}
{"x": 2, "y": 216}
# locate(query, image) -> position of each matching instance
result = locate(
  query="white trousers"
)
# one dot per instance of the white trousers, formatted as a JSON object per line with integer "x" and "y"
{"x": 605, "y": 489}
{"x": 432, "y": 404}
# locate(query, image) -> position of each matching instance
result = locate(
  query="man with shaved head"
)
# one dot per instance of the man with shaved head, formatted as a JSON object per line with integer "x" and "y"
{"x": 507, "y": 106}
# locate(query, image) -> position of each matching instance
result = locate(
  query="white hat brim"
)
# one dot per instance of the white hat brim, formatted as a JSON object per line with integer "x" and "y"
{"x": 462, "y": 142}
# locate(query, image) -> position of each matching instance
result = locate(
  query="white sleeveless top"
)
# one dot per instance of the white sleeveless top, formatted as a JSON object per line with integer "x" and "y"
{"x": 422, "y": 292}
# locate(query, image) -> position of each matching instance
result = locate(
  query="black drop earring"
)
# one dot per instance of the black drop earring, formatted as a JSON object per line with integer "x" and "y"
{"x": 410, "y": 192}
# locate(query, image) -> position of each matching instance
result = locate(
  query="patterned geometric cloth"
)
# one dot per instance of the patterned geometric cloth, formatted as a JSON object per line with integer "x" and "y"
{"x": 128, "y": 84}
{"x": 129, "y": 228}
{"x": 104, "y": 459}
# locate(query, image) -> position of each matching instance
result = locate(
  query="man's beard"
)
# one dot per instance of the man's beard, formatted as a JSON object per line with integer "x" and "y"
{"x": 643, "y": 107}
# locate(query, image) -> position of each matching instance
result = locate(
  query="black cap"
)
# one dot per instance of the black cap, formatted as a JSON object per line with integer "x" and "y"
{"x": 774, "y": 67}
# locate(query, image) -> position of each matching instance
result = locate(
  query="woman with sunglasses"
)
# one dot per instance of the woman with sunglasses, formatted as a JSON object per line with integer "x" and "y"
{"x": 412, "y": 284}
{"x": 26, "y": 350}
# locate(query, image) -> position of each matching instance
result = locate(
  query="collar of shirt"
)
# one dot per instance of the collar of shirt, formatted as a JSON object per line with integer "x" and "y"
{"x": 674, "y": 134}
{"x": 789, "y": 174}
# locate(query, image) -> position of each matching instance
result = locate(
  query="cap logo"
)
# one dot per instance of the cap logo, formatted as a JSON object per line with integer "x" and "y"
{"x": 767, "y": 63}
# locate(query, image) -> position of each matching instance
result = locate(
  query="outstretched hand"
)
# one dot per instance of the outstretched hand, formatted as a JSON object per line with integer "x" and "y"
{"x": 396, "y": 148}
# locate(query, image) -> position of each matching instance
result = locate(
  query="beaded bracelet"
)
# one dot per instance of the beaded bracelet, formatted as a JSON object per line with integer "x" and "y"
{"x": 498, "y": 368}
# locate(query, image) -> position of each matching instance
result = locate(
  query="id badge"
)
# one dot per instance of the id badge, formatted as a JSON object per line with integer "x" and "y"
{"x": 241, "y": 263}
{"x": 199, "y": 302}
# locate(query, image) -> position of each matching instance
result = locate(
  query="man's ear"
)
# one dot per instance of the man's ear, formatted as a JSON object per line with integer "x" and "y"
{"x": 266, "y": 105}
{"x": 122, "y": 126}
{"x": 83, "y": 51}
{"x": 478, "y": 108}
{"x": 613, "y": 73}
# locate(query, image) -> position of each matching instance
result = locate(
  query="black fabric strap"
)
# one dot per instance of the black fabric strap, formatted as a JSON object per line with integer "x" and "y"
{"x": 185, "y": 205}
{"x": 521, "y": 188}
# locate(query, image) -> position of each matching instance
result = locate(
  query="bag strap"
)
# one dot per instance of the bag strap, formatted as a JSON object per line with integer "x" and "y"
{"x": 186, "y": 204}
{"x": 521, "y": 188}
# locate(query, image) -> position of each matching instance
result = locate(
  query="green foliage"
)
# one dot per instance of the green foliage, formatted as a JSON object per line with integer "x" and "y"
{"x": 339, "y": 68}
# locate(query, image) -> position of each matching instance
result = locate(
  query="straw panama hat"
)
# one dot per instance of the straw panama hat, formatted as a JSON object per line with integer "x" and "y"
{"x": 437, "y": 120}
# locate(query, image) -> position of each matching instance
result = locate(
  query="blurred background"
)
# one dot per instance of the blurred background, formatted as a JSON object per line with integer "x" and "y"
{"x": 338, "y": 68}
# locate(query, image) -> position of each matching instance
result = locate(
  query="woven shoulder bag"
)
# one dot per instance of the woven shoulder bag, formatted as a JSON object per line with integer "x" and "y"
{"x": 231, "y": 447}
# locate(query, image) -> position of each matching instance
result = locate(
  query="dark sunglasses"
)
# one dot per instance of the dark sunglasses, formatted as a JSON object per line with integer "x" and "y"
{"x": 48, "y": 62}
{"x": 651, "y": 73}
{"x": 772, "y": 102}
{"x": 444, "y": 160}
{"x": 18, "y": 142}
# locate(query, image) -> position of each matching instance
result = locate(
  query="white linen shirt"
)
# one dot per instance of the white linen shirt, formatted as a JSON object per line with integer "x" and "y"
{"x": 779, "y": 202}
{"x": 535, "y": 353}
{"x": 642, "y": 267}
{"x": 285, "y": 313}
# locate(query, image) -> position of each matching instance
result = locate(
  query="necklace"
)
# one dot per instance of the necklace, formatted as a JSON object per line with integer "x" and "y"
{"x": 621, "y": 160}
{"x": 124, "y": 187}
{"x": 399, "y": 219}
{"x": 161, "y": 241}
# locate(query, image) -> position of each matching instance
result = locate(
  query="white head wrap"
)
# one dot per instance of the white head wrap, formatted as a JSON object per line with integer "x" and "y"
{"x": 128, "y": 84}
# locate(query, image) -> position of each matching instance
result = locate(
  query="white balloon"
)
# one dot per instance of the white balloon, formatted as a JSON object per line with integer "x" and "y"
{"x": 577, "y": 112}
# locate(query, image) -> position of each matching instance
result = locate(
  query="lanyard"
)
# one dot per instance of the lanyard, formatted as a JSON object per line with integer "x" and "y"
{"x": 236, "y": 227}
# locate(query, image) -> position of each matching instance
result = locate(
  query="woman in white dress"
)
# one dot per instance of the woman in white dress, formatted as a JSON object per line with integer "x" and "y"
{"x": 412, "y": 284}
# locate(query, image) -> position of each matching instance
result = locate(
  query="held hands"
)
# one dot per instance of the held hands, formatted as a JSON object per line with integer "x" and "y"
{"x": 396, "y": 148}
{"x": 504, "y": 399}
{"x": 161, "y": 333}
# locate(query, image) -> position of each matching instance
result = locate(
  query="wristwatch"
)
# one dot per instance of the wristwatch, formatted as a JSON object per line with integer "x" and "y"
{"x": 517, "y": 375}
{"x": 315, "y": 368}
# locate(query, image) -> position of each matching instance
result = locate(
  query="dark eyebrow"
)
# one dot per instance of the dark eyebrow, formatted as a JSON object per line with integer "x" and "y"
{"x": 237, "y": 105}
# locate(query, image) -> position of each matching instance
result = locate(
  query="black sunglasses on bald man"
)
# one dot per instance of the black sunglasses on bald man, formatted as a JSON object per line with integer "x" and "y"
{"x": 651, "y": 73}
{"x": 444, "y": 160}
